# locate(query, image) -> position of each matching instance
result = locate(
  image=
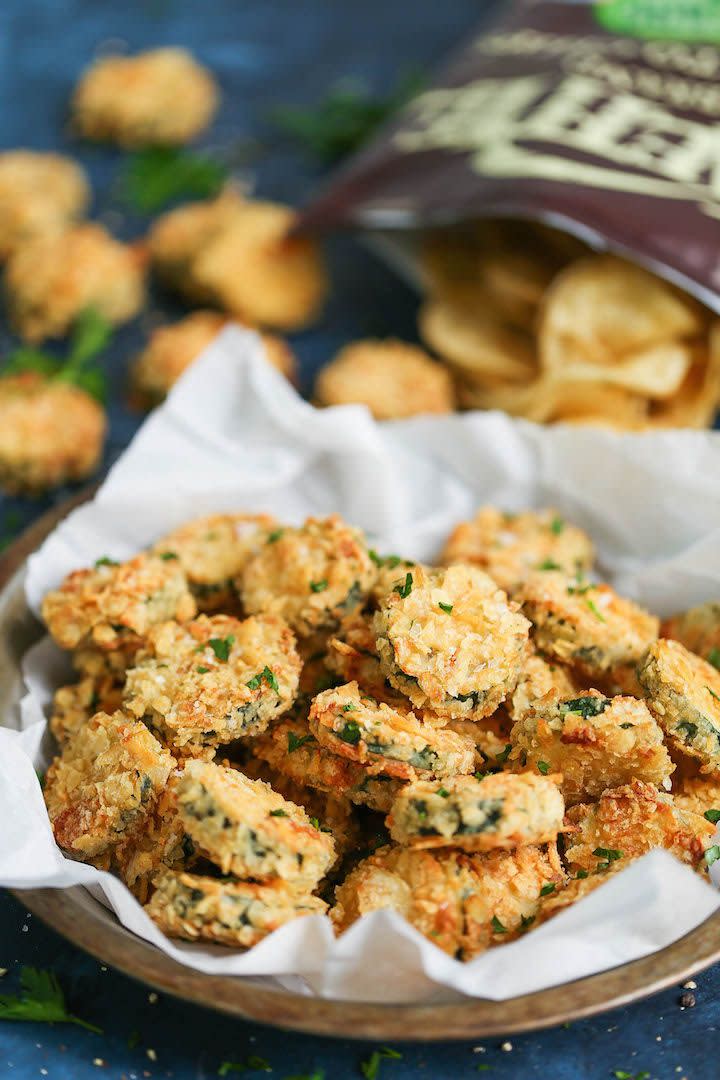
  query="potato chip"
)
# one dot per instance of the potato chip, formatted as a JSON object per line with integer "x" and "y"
{"x": 476, "y": 341}
{"x": 697, "y": 400}
{"x": 657, "y": 371}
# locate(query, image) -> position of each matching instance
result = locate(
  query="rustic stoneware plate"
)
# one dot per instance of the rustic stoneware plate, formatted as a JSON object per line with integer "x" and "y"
{"x": 85, "y": 922}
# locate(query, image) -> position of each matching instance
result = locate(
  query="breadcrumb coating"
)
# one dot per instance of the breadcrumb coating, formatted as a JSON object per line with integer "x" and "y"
{"x": 698, "y": 629}
{"x": 40, "y": 194}
{"x": 538, "y": 678}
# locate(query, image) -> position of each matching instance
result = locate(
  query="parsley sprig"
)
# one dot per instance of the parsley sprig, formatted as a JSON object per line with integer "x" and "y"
{"x": 90, "y": 336}
{"x": 371, "y": 1068}
{"x": 41, "y": 998}
{"x": 154, "y": 177}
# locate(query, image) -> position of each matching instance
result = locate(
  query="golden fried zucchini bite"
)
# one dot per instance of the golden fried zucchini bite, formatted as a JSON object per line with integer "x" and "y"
{"x": 311, "y": 576}
{"x": 75, "y": 704}
{"x": 539, "y": 677}
{"x": 507, "y": 546}
{"x": 51, "y": 432}
{"x": 113, "y": 605}
{"x": 248, "y": 829}
{"x": 212, "y": 551}
{"x": 157, "y": 843}
{"x": 683, "y": 692}
{"x": 498, "y": 811}
{"x": 40, "y": 195}
{"x": 49, "y": 281}
{"x": 583, "y": 624}
{"x": 700, "y": 795}
{"x": 392, "y": 378}
{"x": 578, "y": 888}
{"x": 176, "y": 238}
{"x": 698, "y": 630}
{"x": 594, "y": 741}
{"x": 214, "y": 679}
{"x": 106, "y": 778}
{"x": 224, "y": 911}
{"x": 162, "y": 97}
{"x": 384, "y": 739}
{"x": 451, "y": 641}
{"x": 462, "y": 903}
{"x": 628, "y": 821}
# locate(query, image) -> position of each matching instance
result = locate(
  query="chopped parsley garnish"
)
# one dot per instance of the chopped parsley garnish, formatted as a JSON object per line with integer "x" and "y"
{"x": 274, "y": 535}
{"x": 221, "y": 646}
{"x": 404, "y": 590}
{"x": 350, "y": 733}
{"x": 503, "y": 755}
{"x": 592, "y": 606}
{"x": 266, "y": 676}
{"x": 90, "y": 335}
{"x": 585, "y": 706}
{"x": 549, "y": 564}
{"x": 609, "y": 854}
{"x": 371, "y": 1068}
{"x": 580, "y": 588}
{"x": 278, "y": 813}
{"x": 622, "y": 1074}
{"x": 158, "y": 175}
{"x": 582, "y": 874}
{"x": 557, "y": 525}
{"x": 202, "y": 670}
{"x": 526, "y": 921}
{"x": 714, "y": 658}
{"x": 41, "y": 999}
{"x": 543, "y": 767}
{"x": 712, "y": 815}
{"x": 296, "y": 741}
{"x": 349, "y": 707}
{"x": 712, "y": 693}
{"x": 547, "y": 889}
{"x": 447, "y": 608}
{"x": 497, "y": 926}
{"x": 318, "y": 586}
{"x": 443, "y": 793}
{"x": 105, "y": 560}
{"x": 166, "y": 556}
{"x": 391, "y": 561}
{"x": 712, "y": 854}
{"x": 627, "y": 724}
{"x": 318, "y": 1074}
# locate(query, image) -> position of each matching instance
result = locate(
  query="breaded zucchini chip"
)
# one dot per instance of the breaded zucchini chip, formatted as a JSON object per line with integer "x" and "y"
{"x": 508, "y": 546}
{"x": 594, "y": 741}
{"x": 498, "y": 811}
{"x": 490, "y": 737}
{"x": 223, "y": 911}
{"x": 699, "y": 795}
{"x": 391, "y": 573}
{"x": 248, "y": 829}
{"x": 113, "y": 605}
{"x": 176, "y": 238}
{"x": 630, "y": 820}
{"x": 538, "y": 678}
{"x": 75, "y": 704}
{"x": 462, "y": 903}
{"x": 584, "y": 624}
{"x": 352, "y": 655}
{"x": 212, "y": 551}
{"x": 40, "y": 194}
{"x": 451, "y": 641}
{"x": 215, "y": 678}
{"x": 384, "y": 739}
{"x": 106, "y": 778}
{"x": 311, "y": 576}
{"x": 683, "y": 692}
{"x": 698, "y": 630}
{"x": 159, "y": 842}
{"x": 578, "y": 888}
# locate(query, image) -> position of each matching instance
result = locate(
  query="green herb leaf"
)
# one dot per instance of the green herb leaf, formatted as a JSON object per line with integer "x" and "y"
{"x": 318, "y": 1074}
{"x": 712, "y": 854}
{"x": 611, "y": 854}
{"x": 154, "y": 177}
{"x": 549, "y": 564}
{"x": 447, "y": 608}
{"x": 585, "y": 706}
{"x": 712, "y": 815}
{"x": 547, "y": 889}
{"x": 712, "y": 693}
{"x": 443, "y": 793}
{"x": 557, "y": 525}
{"x": 25, "y": 358}
{"x": 296, "y": 741}
{"x": 274, "y": 536}
{"x": 278, "y": 813}
{"x": 497, "y": 926}
{"x": 202, "y": 670}
{"x": 371, "y": 1068}
{"x": 105, "y": 560}
{"x": 526, "y": 921}
{"x": 582, "y": 874}
{"x": 166, "y": 556}
{"x": 714, "y": 658}
{"x": 41, "y": 999}
{"x": 221, "y": 647}
{"x": 318, "y": 586}
{"x": 502, "y": 757}
{"x": 267, "y": 676}
{"x": 405, "y": 589}
{"x": 543, "y": 767}
{"x": 350, "y": 733}
{"x": 594, "y": 608}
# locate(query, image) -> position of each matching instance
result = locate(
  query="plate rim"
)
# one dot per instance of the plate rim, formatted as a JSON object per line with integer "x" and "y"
{"x": 473, "y": 1018}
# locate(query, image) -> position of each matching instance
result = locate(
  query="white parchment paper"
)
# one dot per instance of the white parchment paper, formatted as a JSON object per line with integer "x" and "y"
{"x": 234, "y": 435}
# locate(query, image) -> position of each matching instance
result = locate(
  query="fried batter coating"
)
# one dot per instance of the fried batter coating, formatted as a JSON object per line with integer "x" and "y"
{"x": 291, "y": 748}
{"x": 73, "y": 705}
{"x": 683, "y": 692}
{"x": 177, "y": 237}
{"x": 490, "y": 737}
{"x": 106, "y": 778}
{"x": 162, "y": 97}
{"x": 698, "y": 630}
{"x": 248, "y": 829}
{"x": 353, "y": 656}
{"x": 212, "y": 551}
{"x": 172, "y": 349}
{"x": 577, "y": 889}
{"x": 311, "y": 576}
{"x": 539, "y": 677}
{"x": 50, "y": 280}
{"x": 584, "y": 624}
{"x": 451, "y": 642}
{"x": 594, "y": 741}
{"x": 391, "y": 572}
{"x": 499, "y": 811}
{"x": 627, "y": 822}
{"x": 506, "y": 546}
{"x": 392, "y": 378}
{"x": 51, "y": 432}
{"x": 159, "y": 842}
{"x": 40, "y": 194}
{"x": 226, "y": 912}
{"x": 462, "y": 903}
{"x": 214, "y": 679}
{"x": 114, "y": 604}
{"x": 699, "y": 795}
{"x": 384, "y": 739}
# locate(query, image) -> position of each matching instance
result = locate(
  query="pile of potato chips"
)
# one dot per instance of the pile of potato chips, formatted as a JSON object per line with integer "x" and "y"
{"x": 534, "y": 323}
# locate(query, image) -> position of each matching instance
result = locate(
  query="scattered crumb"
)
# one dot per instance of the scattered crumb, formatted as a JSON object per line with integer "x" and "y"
{"x": 690, "y": 985}
{"x": 152, "y": 998}
{"x": 506, "y": 1046}
{"x": 151, "y": 1053}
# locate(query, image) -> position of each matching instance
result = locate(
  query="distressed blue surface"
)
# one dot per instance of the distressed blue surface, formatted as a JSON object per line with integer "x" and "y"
{"x": 265, "y": 54}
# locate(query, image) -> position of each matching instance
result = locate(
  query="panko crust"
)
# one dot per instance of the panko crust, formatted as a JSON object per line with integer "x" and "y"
{"x": 176, "y": 238}
{"x": 214, "y": 679}
{"x": 458, "y": 901}
{"x": 212, "y": 551}
{"x": 392, "y": 378}
{"x": 112, "y": 605}
{"x": 577, "y": 889}
{"x": 628, "y": 821}
{"x": 75, "y": 704}
{"x": 593, "y": 741}
{"x": 106, "y": 778}
{"x": 197, "y": 908}
{"x": 490, "y": 737}
{"x": 40, "y": 194}
{"x": 49, "y": 281}
{"x": 158, "y": 843}
{"x": 583, "y": 624}
{"x": 51, "y": 432}
{"x": 698, "y": 629}
{"x": 501, "y": 810}
{"x": 698, "y": 794}
{"x": 249, "y": 829}
{"x": 352, "y": 655}
{"x": 311, "y": 576}
{"x": 386, "y": 740}
{"x": 391, "y": 572}
{"x": 291, "y": 748}
{"x": 158, "y": 97}
{"x": 451, "y": 641}
{"x": 541, "y": 676}
{"x": 507, "y": 546}
{"x": 683, "y": 692}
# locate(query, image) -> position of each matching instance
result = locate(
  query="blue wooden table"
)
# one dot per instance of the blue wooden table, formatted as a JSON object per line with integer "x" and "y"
{"x": 266, "y": 53}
